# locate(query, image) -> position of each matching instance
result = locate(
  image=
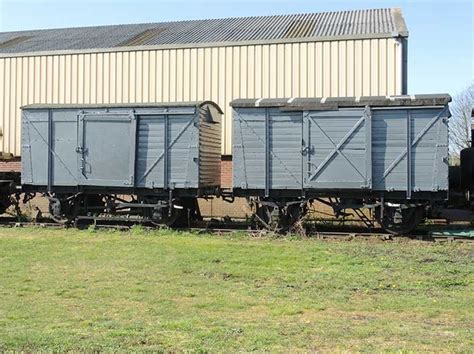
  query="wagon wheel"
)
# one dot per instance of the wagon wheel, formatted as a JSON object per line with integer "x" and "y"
{"x": 279, "y": 220}
{"x": 93, "y": 204}
{"x": 5, "y": 202}
{"x": 7, "y": 197}
{"x": 266, "y": 218}
{"x": 163, "y": 216}
{"x": 64, "y": 209}
{"x": 180, "y": 213}
{"x": 399, "y": 220}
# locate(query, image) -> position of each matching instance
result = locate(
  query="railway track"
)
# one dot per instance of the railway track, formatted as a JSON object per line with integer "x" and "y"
{"x": 435, "y": 234}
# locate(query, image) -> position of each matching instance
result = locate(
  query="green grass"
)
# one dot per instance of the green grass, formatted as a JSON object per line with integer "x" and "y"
{"x": 95, "y": 290}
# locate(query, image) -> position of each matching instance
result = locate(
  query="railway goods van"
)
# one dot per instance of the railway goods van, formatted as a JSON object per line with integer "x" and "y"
{"x": 88, "y": 158}
{"x": 388, "y": 154}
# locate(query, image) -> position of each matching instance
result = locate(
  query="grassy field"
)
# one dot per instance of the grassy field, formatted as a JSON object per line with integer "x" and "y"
{"x": 73, "y": 290}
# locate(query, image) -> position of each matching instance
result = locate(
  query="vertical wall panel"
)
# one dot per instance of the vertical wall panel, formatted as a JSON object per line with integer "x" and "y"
{"x": 374, "y": 67}
{"x": 152, "y": 76}
{"x": 303, "y": 70}
{"x": 200, "y": 68}
{"x": 132, "y": 77}
{"x": 227, "y": 122}
{"x": 207, "y": 73}
{"x": 67, "y": 79}
{"x": 366, "y": 68}
{"x": 172, "y": 76}
{"x": 145, "y": 77}
{"x": 10, "y": 130}
{"x": 93, "y": 81}
{"x": 125, "y": 83}
{"x": 179, "y": 76}
{"x": 7, "y": 117}
{"x": 139, "y": 83}
{"x": 242, "y": 73}
{"x": 250, "y": 71}
{"x": 159, "y": 76}
{"x": 327, "y": 69}
{"x": 16, "y": 101}
{"x": 295, "y": 70}
{"x": 314, "y": 69}
{"x": 350, "y": 68}
{"x": 342, "y": 82}
{"x": 37, "y": 79}
{"x": 258, "y": 71}
{"x": 2, "y": 97}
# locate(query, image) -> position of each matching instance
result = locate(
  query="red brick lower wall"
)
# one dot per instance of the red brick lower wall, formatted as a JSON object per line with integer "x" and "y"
{"x": 11, "y": 165}
{"x": 226, "y": 171}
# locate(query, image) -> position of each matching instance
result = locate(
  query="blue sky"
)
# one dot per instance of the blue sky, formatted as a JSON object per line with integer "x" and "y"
{"x": 441, "y": 41}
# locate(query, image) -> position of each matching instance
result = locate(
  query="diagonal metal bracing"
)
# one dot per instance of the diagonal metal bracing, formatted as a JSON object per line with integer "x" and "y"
{"x": 414, "y": 142}
{"x": 271, "y": 151}
{"x": 336, "y": 147}
{"x": 243, "y": 152}
{"x": 157, "y": 161}
{"x": 49, "y": 147}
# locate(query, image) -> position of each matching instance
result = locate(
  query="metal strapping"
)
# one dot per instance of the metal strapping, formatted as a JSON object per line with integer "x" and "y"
{"x": 49, "y": 149}
{"x": 435, "y": 160}
{"x": 414, "y": 142}
{"x": 243, "y": 150}
{"x": 163, "y": 153}
{"x": 271, "y": 151}
{"x": 336, "y": 147}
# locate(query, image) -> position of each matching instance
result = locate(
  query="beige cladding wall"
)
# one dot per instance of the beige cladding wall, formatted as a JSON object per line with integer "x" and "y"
{"x": 315, "y": 69}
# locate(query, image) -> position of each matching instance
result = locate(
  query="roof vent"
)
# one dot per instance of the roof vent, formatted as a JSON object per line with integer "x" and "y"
{"x": 14, "y": 41}
{"x": 141, "y": 38}
{"x": 300, "y": 28}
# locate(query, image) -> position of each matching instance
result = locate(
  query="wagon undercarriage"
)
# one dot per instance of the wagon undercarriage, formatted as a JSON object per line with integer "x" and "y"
{"x": 173, "y": 211}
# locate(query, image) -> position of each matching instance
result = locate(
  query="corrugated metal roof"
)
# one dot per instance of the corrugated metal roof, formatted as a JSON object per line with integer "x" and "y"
{"x": 315, "y": 26}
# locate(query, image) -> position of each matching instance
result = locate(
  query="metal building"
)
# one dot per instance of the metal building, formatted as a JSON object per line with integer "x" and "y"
{"x": 347, "y": 53}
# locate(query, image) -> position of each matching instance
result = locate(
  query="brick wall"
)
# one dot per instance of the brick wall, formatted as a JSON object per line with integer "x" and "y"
{"x": 10, "y": 165}
{"x": 226, "y": 171}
